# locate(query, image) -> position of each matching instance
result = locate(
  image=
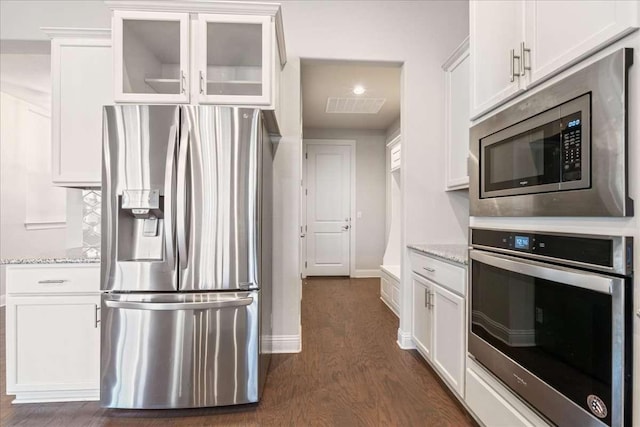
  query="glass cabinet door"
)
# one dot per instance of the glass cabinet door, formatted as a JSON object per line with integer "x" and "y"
{"x": 234, "y": 56}
{"x": 151, "y": 57}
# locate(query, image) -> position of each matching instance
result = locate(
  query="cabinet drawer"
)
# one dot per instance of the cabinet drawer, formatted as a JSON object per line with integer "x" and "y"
{"x": 64, "y": 278}
{"x": 494, "y": 404}
{"x": 441, "y": 272}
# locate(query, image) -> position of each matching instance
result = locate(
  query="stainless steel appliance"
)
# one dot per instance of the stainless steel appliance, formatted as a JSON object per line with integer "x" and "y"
{"x": 560, "y": 152}
{"x": 186, "y": 256}
{"x": 551, "y": 317}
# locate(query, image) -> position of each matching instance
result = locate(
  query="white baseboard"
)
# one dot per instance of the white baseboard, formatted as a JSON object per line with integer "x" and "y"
{"x": 57, "y": 396}
{"x": 283, "y": 343}
{"x": 3, "y": 300}
{"x": 405, "y": 341}
{"x": 361, "y": 274}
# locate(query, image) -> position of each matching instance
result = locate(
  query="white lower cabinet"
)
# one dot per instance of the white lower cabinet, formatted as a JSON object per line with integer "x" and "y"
{"x": 448, "y": 336}
{"x": 493, "y": 404}
{"x": 53, "y": 333}
{"x": 422, "y": 315}
{"x": 438, "y": 322}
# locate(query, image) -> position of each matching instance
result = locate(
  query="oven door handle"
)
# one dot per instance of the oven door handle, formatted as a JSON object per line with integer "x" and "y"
{"x": 581, "y": 279}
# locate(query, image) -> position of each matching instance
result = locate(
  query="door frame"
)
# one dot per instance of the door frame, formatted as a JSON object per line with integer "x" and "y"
{"x": 351, "y": 143}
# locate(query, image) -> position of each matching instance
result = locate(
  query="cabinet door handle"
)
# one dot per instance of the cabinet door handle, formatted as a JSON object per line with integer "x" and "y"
{"x": 426, "y": 298}
{"x": 52, "y": 281}
{"x": 429, "y": 269}
{"x": 512, "y": 61}
{"x": 201, "y": 82}
{"x": 523, "y": 61}
{"x": 97, "y": 315}
{"x": 183, "y": 81}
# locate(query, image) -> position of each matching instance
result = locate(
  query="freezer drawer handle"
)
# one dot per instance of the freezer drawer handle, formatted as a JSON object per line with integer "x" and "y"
{"x": 52, "y": 281}
{"x": 240, "y": 302}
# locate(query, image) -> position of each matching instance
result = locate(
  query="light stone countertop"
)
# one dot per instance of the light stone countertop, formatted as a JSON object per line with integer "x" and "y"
{"x": 70, "y": 256}
{"x": 457, "y": 253}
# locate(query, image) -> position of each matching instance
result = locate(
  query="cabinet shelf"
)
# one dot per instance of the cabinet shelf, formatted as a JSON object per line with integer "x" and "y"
{"x": 235, "y": 82}
{"x": 164, "y": 85}
{"x": 173, "y": 85}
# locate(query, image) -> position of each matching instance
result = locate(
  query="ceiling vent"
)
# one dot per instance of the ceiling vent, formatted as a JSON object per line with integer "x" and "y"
{"x": 354, "y": 105}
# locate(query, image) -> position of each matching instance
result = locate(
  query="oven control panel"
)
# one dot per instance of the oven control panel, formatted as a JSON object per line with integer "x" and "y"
{"x": 588, "y": 250}
{"x": 571, "y": 140}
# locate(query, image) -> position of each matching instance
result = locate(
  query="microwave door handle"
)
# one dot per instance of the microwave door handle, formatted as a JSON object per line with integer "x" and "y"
{"x": 586, "y": 280}
{"x": 169, "y": 178}
{"x": 181, "y": 203}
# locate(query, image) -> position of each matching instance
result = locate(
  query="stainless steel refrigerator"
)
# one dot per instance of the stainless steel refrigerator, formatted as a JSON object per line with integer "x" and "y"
{"x": 186, "y": 256}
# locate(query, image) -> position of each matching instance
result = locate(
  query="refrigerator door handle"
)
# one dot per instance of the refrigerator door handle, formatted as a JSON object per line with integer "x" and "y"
{"x": 204, "y": 305}
{"x": 168, "y": 195}
{"x": 181, "y": 203}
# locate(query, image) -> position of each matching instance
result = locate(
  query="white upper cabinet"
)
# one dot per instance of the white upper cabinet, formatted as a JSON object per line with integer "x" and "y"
{"x": 151, "y": 56}
{"x": 204, "y": 52}
{"x": 235, "y": 56}
{"x": 518, "y": 44}
{"x": 496, "y": 31}
{"x": 457, "y": 117}
{"x": 559, "y": 33}
{"x": 82, "y": 82}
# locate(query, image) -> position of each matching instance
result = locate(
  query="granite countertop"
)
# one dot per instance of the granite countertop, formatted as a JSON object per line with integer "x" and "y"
{"x": 70, "y": 256}
{"x": 456, "y": 253}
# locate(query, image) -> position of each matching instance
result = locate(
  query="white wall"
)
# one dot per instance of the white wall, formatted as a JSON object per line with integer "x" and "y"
{"x": 370, "y": 191}
{"x": 34, "y": 14}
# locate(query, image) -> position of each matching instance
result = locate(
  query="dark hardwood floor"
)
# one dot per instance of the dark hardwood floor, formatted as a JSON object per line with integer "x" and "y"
{"x": 350, "y": 373}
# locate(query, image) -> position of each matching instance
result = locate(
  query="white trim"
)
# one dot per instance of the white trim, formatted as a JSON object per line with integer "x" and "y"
{"x": 405, "y": 341}
{"x": 366, "y": 273}
{"x": 454, "y": 58}
{"x": 352, "y": 231}
{"x": 283, "y": 343}
{"x": 44, "y": 225}
{"x": 394, "y": 141}
{"x": 3, "y": 300}
{"x": 57, "y": 396}
{"x": 73, "y": 33}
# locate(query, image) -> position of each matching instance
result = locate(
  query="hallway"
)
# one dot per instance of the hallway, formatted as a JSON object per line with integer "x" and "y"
{"x": 350, "y": 373}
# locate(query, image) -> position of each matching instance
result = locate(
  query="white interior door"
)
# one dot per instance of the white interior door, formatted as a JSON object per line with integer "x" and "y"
{"x": 328, "y": 200}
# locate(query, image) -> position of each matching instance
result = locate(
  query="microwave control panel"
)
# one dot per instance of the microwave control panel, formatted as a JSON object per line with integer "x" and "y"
{"x": 571, "y": 140}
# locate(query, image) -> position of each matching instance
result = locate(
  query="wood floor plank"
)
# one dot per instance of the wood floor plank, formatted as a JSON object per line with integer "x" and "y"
{"x": 351, "y": 372}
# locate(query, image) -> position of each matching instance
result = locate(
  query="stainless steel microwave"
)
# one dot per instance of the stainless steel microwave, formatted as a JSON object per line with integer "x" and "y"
{"x": 560, "y": 152}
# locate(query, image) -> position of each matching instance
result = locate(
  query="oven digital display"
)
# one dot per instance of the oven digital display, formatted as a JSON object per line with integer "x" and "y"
{"x": 522, "y": 242}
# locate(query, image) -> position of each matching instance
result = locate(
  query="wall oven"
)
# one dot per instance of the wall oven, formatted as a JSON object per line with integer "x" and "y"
{"x": 550, "y": 316}
{"x": 560, "y": 152}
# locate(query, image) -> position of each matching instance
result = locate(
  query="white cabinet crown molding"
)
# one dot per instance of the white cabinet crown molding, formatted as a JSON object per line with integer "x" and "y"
{"x": 394, "y": 141}
{"x": 207, "y": 6}
{"x": 97, "y": 33}
{"x": 461, "y": 50}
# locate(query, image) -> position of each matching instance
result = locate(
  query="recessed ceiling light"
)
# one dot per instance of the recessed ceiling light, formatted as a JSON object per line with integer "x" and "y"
{"x": 359, "y": 90}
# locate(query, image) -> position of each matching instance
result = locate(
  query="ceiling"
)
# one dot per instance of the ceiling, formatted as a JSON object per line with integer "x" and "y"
{"x": 324, "y": 79}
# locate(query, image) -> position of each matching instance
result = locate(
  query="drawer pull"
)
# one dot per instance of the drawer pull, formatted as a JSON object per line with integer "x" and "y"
{"x": 52, "y": 281}
{"x": 429, "y": 269}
